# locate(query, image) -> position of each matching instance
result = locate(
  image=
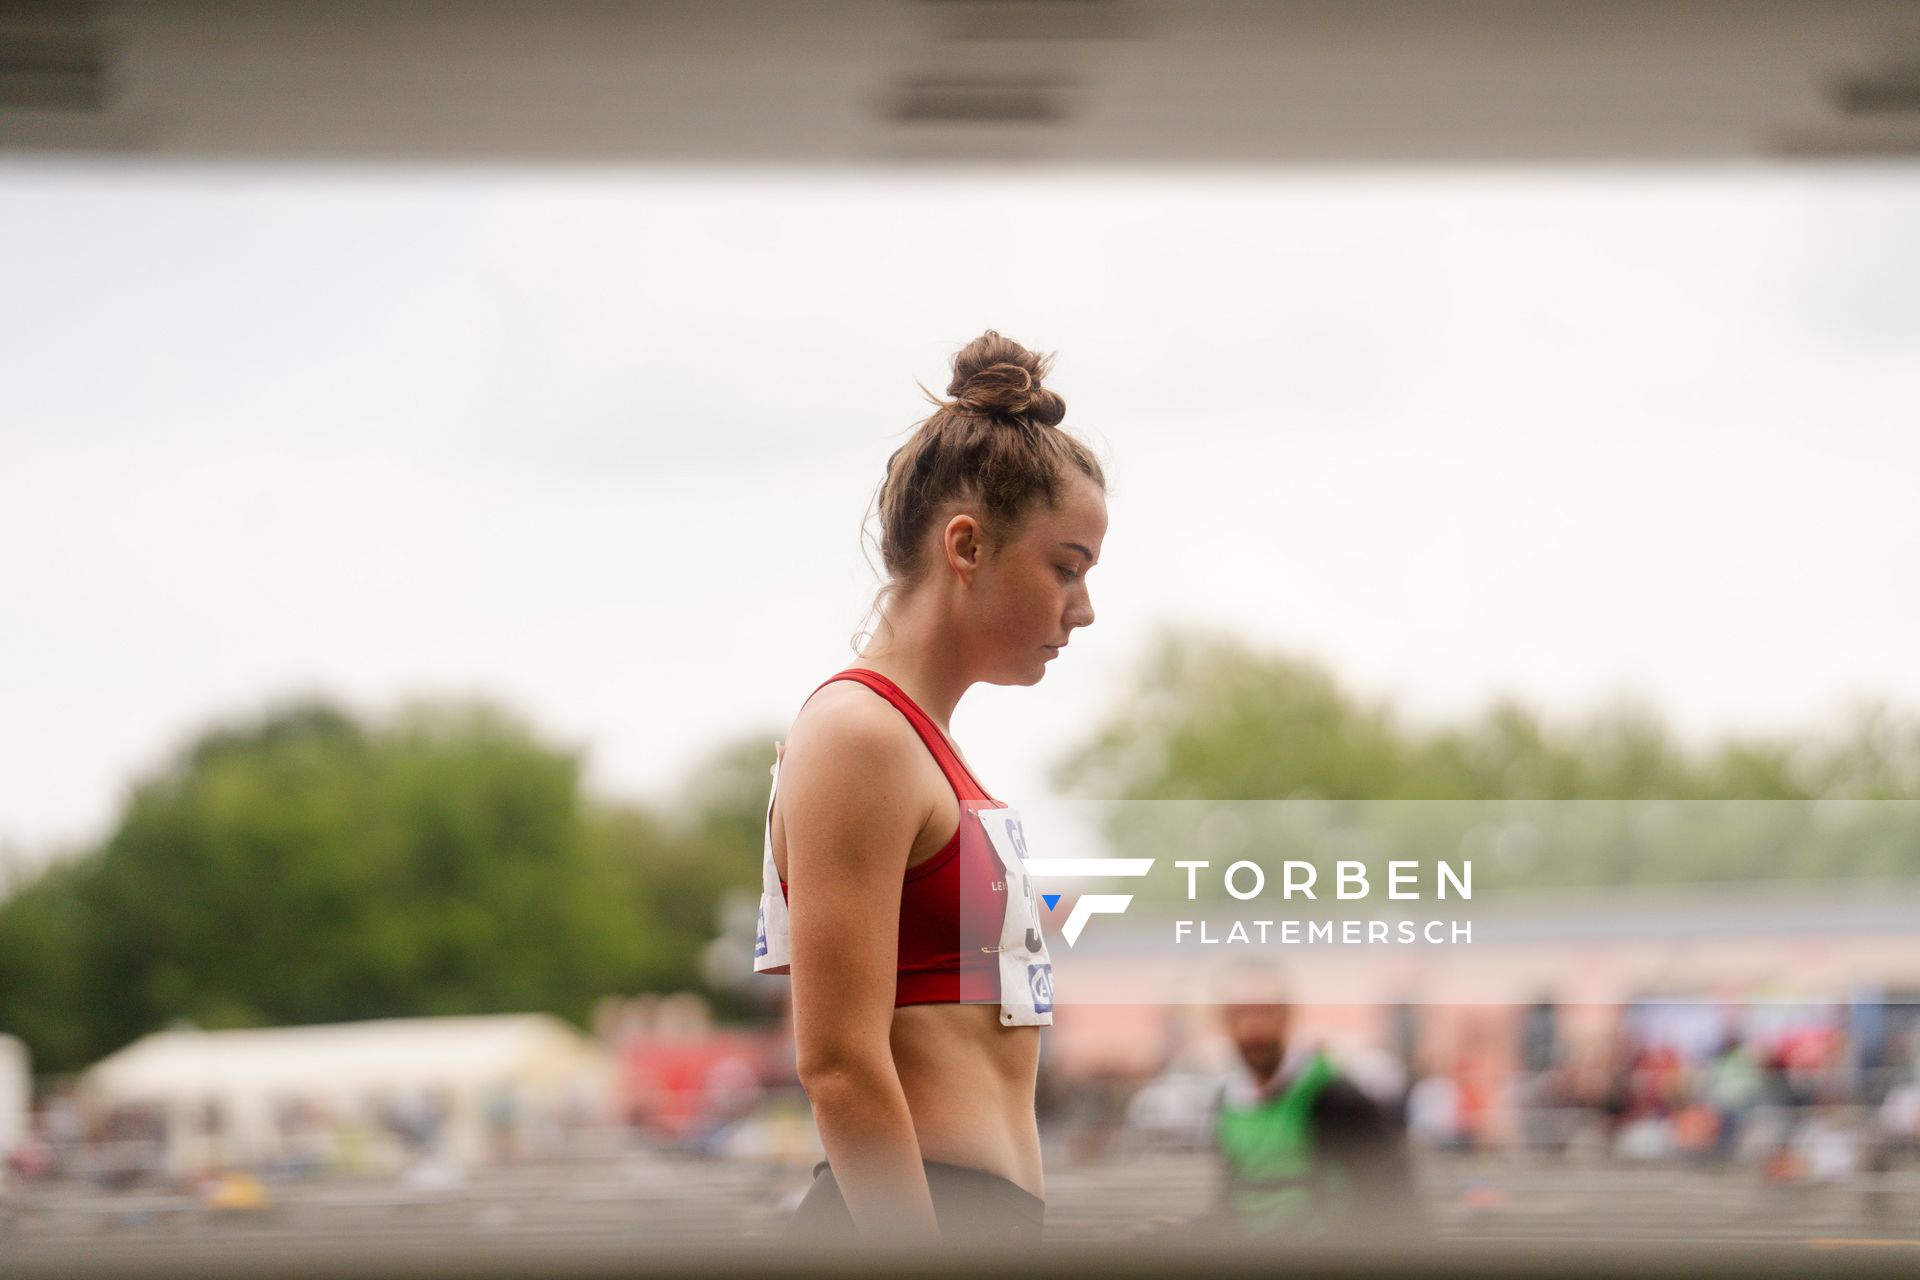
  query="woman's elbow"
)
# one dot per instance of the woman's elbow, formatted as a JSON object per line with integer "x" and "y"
{"x": 838, "y": 1070}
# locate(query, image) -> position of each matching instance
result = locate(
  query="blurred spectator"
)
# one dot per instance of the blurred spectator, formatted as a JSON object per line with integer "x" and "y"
{"x": 1304, "y": 1151}
{"x": 1433, "y": 1112}
{"x": 1731, "y": 1087}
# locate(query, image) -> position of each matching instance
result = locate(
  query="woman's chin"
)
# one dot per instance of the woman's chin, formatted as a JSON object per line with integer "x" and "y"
{"x": 1032, "y": 671}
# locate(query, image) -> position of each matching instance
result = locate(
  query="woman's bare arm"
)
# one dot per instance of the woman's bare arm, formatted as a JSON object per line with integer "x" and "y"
{"x": 850, "y": 815}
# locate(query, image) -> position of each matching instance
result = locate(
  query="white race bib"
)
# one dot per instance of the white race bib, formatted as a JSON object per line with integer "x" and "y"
{"x": 1026, "y": 970}
{"x": 772, "y": 947}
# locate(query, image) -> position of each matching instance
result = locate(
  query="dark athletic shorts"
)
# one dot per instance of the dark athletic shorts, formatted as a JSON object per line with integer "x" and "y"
{"x": 971, "y": 1205}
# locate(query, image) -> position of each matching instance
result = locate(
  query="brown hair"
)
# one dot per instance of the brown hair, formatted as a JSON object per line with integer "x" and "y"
{"x": 996, "y": 443}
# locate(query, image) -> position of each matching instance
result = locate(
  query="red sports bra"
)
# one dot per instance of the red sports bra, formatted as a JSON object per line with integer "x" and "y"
{"x": 960, "y": 889}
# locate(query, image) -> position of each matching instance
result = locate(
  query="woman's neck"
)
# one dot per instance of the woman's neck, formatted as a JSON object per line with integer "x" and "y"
{"x": 908, "y": 657}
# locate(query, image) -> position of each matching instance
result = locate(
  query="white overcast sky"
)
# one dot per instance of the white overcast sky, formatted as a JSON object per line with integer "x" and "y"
{"x": 598, "y": 444}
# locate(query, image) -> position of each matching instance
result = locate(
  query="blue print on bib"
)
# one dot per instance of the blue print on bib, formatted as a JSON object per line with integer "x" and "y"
{"x": 1040, "y": 982}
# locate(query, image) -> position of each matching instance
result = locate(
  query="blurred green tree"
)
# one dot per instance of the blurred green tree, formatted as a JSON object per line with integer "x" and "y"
{"x": 308, "y": 867}
{"x": 1209, "y": 717}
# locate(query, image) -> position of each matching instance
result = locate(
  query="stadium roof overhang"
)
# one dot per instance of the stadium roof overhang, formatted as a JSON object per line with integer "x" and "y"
{"x": 1092, "y": 82}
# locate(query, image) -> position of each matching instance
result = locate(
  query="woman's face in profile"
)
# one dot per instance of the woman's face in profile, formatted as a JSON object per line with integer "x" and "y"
{"x": 1035, "y": 588}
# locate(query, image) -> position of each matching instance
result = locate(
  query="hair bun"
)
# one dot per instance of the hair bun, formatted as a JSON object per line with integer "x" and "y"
{"x": 997, "y": 377}
{"x": 998, "y": 388}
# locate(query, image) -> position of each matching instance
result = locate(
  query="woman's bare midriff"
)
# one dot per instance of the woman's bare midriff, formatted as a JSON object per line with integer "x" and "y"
{"x": 969, "y": 1081}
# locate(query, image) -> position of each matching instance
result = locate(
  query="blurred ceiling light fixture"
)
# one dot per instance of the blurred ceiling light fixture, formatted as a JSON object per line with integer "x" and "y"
{"x": 1879, "y": 115}
{"x": 1007, "y": 99}
{"x": 1889, "y": 91}
{"x": 979, "y": 84}
{"x": 51, "y": 58}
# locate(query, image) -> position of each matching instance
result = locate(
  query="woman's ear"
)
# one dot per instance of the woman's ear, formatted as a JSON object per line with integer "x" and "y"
{"x": 964, "y": 545}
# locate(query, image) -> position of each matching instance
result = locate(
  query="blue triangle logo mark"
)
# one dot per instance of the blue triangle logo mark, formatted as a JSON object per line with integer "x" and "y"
{"x": 1051, "y": 899}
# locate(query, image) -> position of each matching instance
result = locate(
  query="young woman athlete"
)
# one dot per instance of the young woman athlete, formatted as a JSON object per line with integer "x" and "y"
{"x": 921, "y": 1081}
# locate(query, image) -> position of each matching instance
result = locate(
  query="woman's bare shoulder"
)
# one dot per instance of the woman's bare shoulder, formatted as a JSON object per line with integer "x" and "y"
{"x": 847, "y": 725}
{"x": 850, "y": 780}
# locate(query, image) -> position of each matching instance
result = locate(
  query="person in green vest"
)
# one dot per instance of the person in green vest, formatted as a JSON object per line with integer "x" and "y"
{"x": 1305, "y": 1153}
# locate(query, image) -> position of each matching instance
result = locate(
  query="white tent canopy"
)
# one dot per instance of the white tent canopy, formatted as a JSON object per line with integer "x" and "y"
{"x": 537, "y": 1058}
